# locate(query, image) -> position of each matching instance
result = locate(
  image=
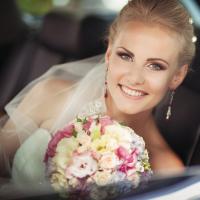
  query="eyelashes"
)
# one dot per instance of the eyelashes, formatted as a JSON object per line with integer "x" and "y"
{"x": 154, "y": 66}
{"x": 125, "y": 56}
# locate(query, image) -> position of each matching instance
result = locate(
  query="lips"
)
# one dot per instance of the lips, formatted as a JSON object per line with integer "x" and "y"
{"x": 132, "y": 92}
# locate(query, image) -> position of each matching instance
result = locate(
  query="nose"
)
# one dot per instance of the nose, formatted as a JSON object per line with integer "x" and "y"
{"x": 136, "y": 76}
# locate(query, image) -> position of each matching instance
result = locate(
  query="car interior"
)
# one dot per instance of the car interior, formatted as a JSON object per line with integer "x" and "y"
{"x": 26, "y": 53}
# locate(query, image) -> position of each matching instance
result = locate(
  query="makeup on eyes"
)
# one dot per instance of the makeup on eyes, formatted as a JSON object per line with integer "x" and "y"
{"x": 125, "y": 54}
{"x": 157, "y": 66}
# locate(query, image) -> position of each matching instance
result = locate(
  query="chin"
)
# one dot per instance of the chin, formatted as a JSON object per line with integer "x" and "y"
{"x": 129, "y": 110}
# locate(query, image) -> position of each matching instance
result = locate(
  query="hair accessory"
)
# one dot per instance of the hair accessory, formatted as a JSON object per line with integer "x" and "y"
{"x": 169, "y": 110}
{"x": 194, "y": 39}
{"x": 191, "y": 20}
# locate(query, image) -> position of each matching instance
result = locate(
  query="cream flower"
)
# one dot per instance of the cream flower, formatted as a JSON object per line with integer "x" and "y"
{"x": 67, "y": 145}
{"x": 112, "y": 144}
{"x": 58, "y": 181}
{"x": 102, "y": 178}
{"x": 73, "y": 182}
{"x": 62, "y": 159}
{"x": 84, "y": 142}
{"x": 78, "y": 127}
{"x": 139, "y": 167}
{"x": 119, "y": 133}
{"x": 82, "y": 165}
{"x": 64, "y": 151}
{"x": 109, "y": 161}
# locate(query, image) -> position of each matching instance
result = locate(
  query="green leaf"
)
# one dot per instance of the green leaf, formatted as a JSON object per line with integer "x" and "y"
{"x": 75, "y": 133}
{"x": 84, "y": 120}
{"x": 79, "y": 119}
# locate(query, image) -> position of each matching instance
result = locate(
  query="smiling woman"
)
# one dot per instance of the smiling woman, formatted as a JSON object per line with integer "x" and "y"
{"x": 149, "y": 52}
{"x": 135, "y": 63}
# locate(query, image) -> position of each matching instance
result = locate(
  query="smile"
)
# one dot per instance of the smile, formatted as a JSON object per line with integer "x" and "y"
{"x": 131, "y": 92}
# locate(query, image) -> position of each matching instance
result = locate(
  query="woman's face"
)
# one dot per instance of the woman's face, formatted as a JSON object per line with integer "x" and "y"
{"x": 142, "y": 66}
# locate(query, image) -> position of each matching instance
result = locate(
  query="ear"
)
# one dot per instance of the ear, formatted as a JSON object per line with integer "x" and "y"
{"x": 178, "y": 77}
{"x": 108, "y": 53}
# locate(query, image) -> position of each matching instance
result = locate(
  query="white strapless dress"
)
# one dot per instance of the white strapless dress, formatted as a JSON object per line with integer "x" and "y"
{"x": 28, "y": 166}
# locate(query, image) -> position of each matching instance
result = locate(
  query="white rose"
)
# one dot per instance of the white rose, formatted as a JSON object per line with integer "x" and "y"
{"x": 108, "y": 161}
{"x": 102, "y": 177}
{"x": 82, "y": 165}
{"x": 112, "y": 144}
{"x": 58, "y": 181}
{"x": 83, "y": 139}
{"x": 61, "y": 160}
{"x": 139, "y": 167}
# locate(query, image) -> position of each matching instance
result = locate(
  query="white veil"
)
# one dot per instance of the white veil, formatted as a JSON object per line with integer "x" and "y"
{"x": 88, "y": 76}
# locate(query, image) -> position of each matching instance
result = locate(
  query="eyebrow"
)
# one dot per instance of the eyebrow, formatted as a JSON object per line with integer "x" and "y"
{"x": 149, "y": 59}
{"x": 132, "y": 54}
{"x": 158, "y": 59}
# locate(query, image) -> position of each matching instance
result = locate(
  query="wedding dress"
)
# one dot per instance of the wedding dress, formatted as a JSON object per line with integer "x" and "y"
{"x": 28, "y": 166}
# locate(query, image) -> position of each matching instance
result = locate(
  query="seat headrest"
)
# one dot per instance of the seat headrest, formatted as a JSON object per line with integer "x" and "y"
{"x": 93, "y": 31}
{"x": 60, "y": 31}
{"x": 12, "y": 26}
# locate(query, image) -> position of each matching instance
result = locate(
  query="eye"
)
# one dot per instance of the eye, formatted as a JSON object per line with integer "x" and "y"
{"x": 156, "y": 66}
{"x": 125, "y": 56}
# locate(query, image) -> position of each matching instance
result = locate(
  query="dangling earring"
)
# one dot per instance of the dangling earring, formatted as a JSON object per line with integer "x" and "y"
{"x": 105, "y": 84}
{"x": 169, "y": 110}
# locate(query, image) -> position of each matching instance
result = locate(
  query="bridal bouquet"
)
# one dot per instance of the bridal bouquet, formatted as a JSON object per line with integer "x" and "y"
{"x": 96, "y": 158}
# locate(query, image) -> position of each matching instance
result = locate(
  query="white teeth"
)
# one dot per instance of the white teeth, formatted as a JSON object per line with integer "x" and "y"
{"x": 132, "y": 92}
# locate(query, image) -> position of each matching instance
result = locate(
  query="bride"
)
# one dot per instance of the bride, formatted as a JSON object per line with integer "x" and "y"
{"x": 149, "y": 51}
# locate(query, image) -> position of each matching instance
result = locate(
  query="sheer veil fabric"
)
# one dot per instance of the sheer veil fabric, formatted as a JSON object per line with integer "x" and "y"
{"x": 86, "y": 98}
{"x": 88, "y": 76}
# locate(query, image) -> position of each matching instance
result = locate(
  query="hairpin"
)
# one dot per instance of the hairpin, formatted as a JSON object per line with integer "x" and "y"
{"x": 191, "y": 20}
{"x": 194, "y": 39}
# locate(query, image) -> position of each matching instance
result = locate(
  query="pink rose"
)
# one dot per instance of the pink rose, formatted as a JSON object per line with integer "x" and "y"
{"x": 124, "y": 168}
{"x": 66, "y": 132}
{"x": 123, "y": 154}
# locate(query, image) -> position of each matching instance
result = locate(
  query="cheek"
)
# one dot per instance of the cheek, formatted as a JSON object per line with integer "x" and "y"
{"x": 158, "y": 84}
{"x": 117, "y": 69}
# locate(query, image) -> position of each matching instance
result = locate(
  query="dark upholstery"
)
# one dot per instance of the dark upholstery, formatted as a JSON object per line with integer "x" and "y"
{"x": 180, "y": 130}
{"x": 93, "y": 32}
{"x": 13, "y": 33}
{"x": 60, "y": 32}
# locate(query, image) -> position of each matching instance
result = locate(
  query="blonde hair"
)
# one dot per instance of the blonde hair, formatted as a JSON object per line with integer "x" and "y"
{"x": 167, "y": 13}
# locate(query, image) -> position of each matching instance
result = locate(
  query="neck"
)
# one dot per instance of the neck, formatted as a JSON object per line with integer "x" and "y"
{"x": 135, "y": 121}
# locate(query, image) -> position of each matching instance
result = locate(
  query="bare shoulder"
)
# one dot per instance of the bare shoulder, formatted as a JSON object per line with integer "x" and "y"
{"x": 44, "y": 99}
{"x": 161, "y": 155}
{"x": 47, "y": 88}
